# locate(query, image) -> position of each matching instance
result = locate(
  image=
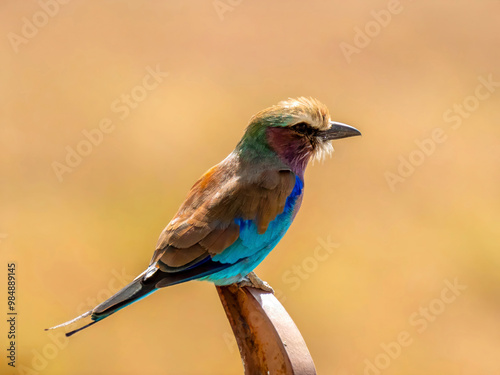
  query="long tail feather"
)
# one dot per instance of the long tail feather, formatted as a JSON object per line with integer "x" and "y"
{"x": 83, "y": 316}
{"x": 71, "y": 333}
{"x": 146, "y": 283}
{"x": 133, "y": 292}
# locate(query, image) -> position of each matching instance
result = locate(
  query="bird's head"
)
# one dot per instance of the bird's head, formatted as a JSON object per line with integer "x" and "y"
{"x": 296, "y": 130}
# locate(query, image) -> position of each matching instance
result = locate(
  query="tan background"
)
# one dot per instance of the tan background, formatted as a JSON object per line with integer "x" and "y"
{"x": 396, "y": 249}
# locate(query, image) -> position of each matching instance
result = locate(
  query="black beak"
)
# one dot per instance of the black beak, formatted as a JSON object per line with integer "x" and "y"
{"x": 338, "y": 130}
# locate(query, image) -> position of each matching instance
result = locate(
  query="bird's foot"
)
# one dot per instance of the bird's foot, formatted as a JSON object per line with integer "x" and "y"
{"x": 252, "y": 280}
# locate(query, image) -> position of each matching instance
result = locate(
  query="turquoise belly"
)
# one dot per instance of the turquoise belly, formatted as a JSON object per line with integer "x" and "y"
{"x": 251, "y": 247}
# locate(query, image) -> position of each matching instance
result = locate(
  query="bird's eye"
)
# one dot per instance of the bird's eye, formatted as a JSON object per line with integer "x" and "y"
{"x": 303, "y": 128}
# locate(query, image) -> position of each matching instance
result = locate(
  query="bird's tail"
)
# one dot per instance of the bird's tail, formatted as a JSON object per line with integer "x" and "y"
{"x": 133, "y": 292}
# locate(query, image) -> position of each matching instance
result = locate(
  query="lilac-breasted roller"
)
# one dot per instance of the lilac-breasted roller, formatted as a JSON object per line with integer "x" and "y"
{"x": 237, "y": 212}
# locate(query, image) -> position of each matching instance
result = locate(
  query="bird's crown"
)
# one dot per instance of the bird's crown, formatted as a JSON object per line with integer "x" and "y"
{"x": 292, "y": 112}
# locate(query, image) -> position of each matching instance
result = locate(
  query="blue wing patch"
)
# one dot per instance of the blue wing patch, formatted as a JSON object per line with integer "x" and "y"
{"x": 251, "y": 247}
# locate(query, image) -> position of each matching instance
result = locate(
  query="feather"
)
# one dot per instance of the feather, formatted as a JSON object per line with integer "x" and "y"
{"x": 205, "y": 223}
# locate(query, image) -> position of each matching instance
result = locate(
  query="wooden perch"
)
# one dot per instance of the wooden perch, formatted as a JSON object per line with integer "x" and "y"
{"x": 268, "y": 339}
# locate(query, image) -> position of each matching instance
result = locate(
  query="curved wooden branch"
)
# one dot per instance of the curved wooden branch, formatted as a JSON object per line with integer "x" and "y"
{"x": 268, "y": 339}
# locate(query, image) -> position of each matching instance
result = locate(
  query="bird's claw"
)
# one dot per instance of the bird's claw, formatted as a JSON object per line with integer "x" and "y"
{"x": 253, "y": 281}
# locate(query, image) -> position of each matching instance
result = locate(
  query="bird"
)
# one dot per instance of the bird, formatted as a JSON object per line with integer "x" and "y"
{"x": 239, "y": 210}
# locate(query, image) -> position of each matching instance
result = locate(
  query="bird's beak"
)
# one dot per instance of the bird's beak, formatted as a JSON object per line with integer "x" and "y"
{"x": 338, "y": 130}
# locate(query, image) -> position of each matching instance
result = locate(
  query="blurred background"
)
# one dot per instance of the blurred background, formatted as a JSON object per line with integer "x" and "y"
{"x": 111, "y": 110}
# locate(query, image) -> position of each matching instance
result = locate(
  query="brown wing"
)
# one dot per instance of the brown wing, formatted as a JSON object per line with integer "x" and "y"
{"x": 205, "y": 222}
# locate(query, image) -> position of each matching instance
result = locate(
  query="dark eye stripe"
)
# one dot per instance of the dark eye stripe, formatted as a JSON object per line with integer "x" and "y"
{"x": 304, "y": 128}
